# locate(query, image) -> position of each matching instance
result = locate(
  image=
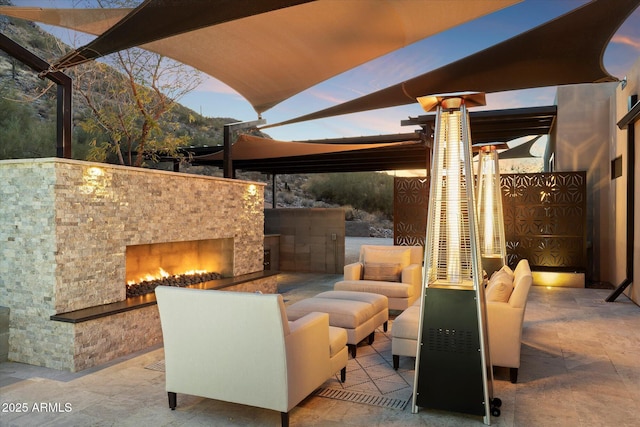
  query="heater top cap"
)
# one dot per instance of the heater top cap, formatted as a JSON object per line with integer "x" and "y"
{"x": 452, "y": 100}
{"x": 488, "y": 146}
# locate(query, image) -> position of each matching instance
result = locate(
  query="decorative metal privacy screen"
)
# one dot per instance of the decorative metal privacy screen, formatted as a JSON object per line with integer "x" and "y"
{"x": 545, "y": 217}
{"x": 410, "y": 204}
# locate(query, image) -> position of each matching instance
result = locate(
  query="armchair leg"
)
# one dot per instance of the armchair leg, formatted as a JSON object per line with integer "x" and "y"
{"x": 385, "y": 326}
{"x": 513, "y": 375}
{"x": 396, "y": 362}
{"x": 372, "y": 336}
{"x": 284, "y": 419}
{"x": 172, "y": 400}
{"x": 352, "y": 350}
{"x": 343, "y": 374}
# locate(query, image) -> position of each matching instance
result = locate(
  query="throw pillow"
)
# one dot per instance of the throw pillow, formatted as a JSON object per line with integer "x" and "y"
{"x": 390, "y": 255}
{"x": 504, "y": 270}
{"x": 499, "y": 290}
{"x": 385, "y": 272}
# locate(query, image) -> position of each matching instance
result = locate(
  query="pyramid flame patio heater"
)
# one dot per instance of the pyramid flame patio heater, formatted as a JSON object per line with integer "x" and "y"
{"x": 453, "y": 370}
{"x": 493, "y": 248}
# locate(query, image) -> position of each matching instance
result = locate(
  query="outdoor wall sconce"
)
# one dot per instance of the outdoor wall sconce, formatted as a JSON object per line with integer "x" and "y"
{"x": 493, "y": 248}
{"x": 453, "y": 370}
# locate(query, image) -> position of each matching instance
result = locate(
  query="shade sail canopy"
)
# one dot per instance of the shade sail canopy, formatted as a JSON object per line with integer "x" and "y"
{"x": 375, "y": 153}
{"x": 566, "y": 50}
{"x": 154, "y": 20}
{"x": 521, "y": 151}
{"x": 264, "y": 50}
{"x": 384, "y": 152}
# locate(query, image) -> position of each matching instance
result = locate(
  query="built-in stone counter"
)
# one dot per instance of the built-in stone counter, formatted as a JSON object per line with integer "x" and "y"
{"x": 64, "y": 229}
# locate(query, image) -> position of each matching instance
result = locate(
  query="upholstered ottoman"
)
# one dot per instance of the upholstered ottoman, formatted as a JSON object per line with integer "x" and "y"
{"x": 404, "y": 334}
{"x": 359, "y": 313}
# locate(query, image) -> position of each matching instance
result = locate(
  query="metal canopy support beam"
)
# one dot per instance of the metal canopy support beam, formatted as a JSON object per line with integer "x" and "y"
{"x": 63, "y": 124}
{"x": 500, "y": 125}
{"x": 273, "y": 191}
{"x": 229, "y": 128}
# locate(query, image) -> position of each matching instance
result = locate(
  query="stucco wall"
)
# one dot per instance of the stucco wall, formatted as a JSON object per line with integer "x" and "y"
{"x": 619, "y": 186}
{"x": 582, "y": 136}
{"x": 586, "y": 137}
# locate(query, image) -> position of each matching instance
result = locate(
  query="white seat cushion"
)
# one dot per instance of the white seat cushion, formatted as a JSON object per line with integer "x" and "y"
{"x": 388, "y": 289}
{"x": 342, "y": 313}
{"x": 406, "y": 324}
{"x": 379, "y": 302}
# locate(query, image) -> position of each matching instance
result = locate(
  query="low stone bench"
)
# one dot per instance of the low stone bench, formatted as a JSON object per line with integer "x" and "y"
{"x": 359, "y": 313}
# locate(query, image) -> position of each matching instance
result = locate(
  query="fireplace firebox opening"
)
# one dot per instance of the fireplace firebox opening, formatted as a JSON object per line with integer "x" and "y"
{"x": 208, "y": 258}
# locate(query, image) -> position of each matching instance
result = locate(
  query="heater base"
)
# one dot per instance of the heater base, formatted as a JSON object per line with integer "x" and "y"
{"x": 450, "y": 375}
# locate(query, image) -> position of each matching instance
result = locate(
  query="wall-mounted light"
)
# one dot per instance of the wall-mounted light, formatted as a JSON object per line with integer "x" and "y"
{"x": 95, "y": 181}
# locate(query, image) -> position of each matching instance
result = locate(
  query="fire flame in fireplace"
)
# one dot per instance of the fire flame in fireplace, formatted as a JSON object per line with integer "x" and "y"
{"x": 162, "y": 274}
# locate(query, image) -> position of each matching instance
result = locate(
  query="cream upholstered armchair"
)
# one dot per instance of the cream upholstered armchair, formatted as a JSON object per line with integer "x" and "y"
{"x": 393, "y": 271}
{"x": 506, "y": 299}
{"x": 239, "y": 347}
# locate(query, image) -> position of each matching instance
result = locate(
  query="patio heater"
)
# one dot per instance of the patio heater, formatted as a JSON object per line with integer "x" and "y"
{"x": 493, "y": 249}
{"x": 453, "y": 370}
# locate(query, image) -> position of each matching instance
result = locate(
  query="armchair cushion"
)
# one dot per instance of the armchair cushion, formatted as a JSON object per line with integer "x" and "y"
{"x": 382, "y": 254}
{"x": 383, "y": 271}
{"x": 389, "y": 289}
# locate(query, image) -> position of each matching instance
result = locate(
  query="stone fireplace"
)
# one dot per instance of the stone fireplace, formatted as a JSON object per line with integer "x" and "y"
{"x": 74, "y": 232}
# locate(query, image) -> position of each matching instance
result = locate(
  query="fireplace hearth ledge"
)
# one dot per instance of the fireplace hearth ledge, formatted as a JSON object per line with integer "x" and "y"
{"x": 134, "y": 303}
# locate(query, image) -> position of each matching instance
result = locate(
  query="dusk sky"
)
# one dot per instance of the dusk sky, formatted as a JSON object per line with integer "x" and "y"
{"x": 215, "y": 99}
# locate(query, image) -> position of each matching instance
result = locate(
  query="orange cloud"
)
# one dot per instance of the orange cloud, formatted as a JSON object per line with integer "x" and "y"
{"x": 216, "y": 86}
{"x": 325, "y": 96}
{"x": 629, "y": 41}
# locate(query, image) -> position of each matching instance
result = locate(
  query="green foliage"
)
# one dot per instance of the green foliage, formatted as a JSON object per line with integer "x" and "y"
{"x": 122, "y": 109}
{"x": 22, "y": 134}
{"x": 131, "y": 101}
{"x": 369, "y": 191}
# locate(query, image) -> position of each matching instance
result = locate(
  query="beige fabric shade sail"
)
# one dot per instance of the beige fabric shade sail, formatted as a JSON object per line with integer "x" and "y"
{"x": 377, "y": 152}
{"x": 266, "y": 50}
{"x": 248, "y": 147}
{"x": 566, "y": 50}
{"x": 401, "y": 151}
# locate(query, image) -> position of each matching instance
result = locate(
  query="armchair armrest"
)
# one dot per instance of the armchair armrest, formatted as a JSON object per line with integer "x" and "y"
{"x": 308, "y": 353}
{"x": 505, "y": 333}
{"x": 412, "y": 274}
{"x": 353, "y": 271}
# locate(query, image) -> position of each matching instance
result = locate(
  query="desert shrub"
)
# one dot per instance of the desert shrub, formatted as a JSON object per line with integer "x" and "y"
{"x": 286, "y": 198}
{"x": 368, "y": 191}
{"x": 22, "y": 133}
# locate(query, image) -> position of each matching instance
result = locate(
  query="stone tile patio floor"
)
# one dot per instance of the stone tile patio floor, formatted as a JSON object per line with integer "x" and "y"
{"x": 580, "y": 367}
